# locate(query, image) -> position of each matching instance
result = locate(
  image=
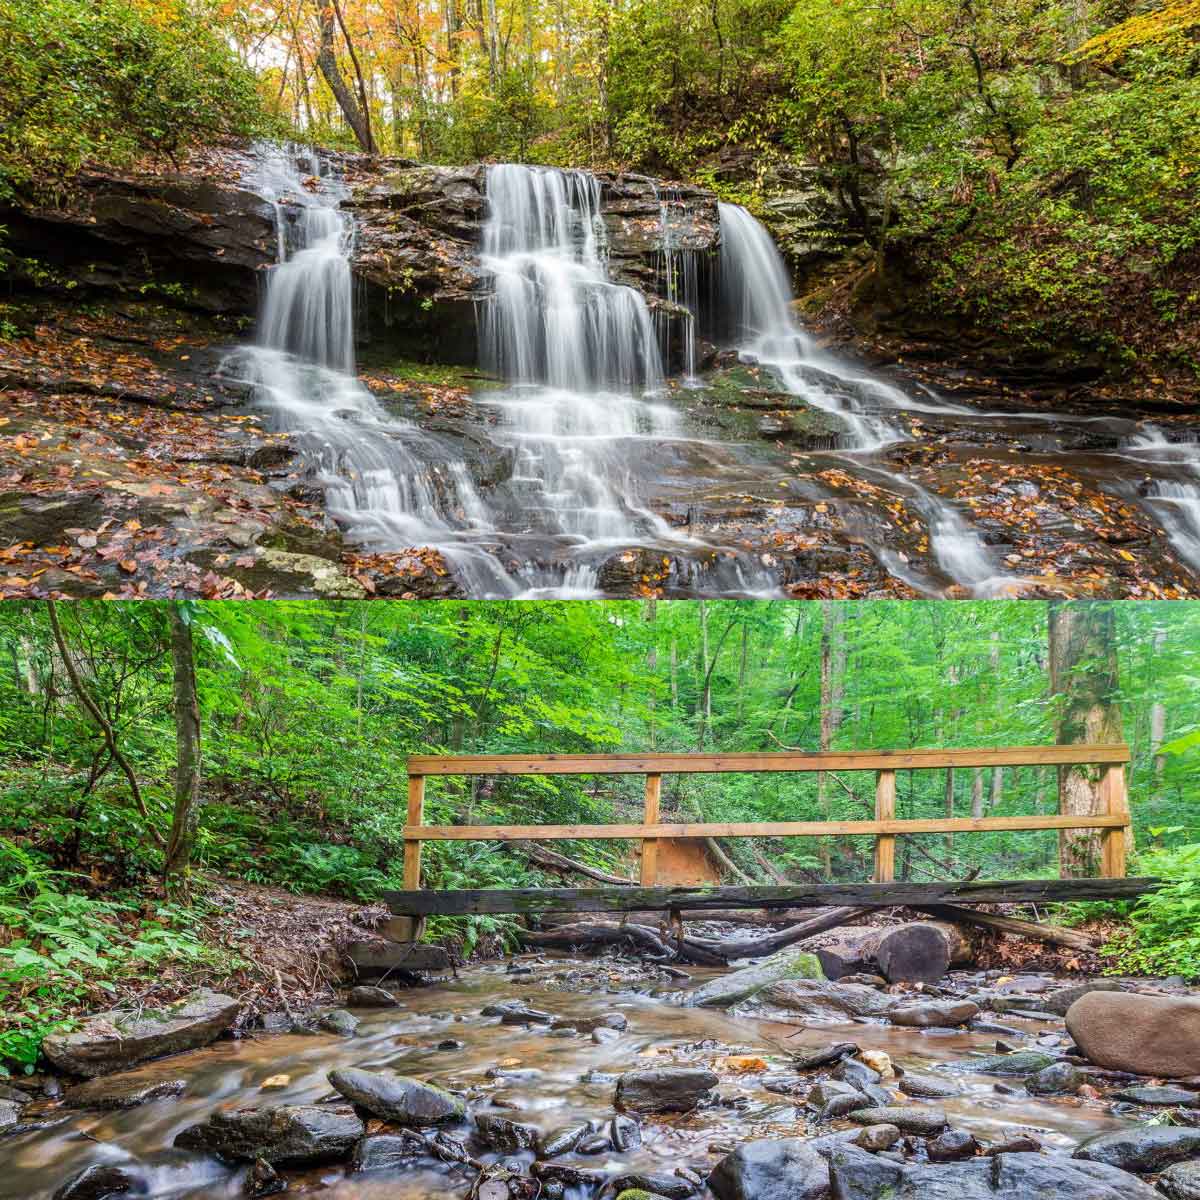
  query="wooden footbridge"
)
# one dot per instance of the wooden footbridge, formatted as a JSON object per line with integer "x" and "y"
{"x": 1112, "y": 824}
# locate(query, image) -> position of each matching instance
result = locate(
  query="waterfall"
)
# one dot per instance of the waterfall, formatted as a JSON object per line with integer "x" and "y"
{"x": 678, "y": 279}
{"x": 1173, "y": 499}
{"x": 756, "y": 301}
{"x": 389, "y": 484}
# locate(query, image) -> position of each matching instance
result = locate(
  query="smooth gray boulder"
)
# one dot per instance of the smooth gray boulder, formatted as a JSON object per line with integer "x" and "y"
{"x": 126, "y": 1090}
{"x": 798, "y": 1001}
{"x": 119, "y": 1038}
{"x": 788, "y": 1169}
{"x": 933, "y": 1014}
{"x": 397, "y": 1098}
{"x": 668, "y": 1089}
{"x": 1141, "y": 1149}
{"x": 1158, "y": 1097}
{"x": 1058, "y": 1079}
{"x": 289, "y": 1135}
{"x": 1181, "y": 1181}
{"x": 739, "y": 985}
{"x": 928, "y": 1087}
{"x": 926, "y": 1122}
{"x": 364, "y": 995}
{"x": 339, "y": 1022}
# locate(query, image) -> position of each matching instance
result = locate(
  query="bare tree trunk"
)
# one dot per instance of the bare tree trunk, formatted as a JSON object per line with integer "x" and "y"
{"x": 833, "y": 661}
{"x": 977, "y": 792}
{"x": 1158, "y": 716}
{"x": 186, "y": 708}
{"x": 1083, "y": 683}
{"x": 358, "y": 118}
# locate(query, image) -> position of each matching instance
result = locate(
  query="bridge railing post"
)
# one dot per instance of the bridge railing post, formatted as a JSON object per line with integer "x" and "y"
{"x": 1112, "y": 841}
{"x": 649, "y": 871}
{"x": 412, "y": 846}
{"x": 885, "y": 810}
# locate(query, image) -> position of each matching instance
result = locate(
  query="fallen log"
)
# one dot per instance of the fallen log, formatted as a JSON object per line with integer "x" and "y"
{"x": 551, "y": 860}
{"x": 1054, "y": 934}
{"x": 708, "y": 952}
{"x": 918, "y": 952}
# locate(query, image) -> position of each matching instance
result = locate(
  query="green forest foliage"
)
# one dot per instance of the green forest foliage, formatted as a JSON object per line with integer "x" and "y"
{"x": 309, "y": 710}
{"x": 82, "y": 80}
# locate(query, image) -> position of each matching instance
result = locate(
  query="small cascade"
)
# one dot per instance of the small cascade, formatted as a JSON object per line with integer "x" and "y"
{"x": 678, "y": 281}
{"x": 1172, "y": 495}
{"x": 756, "y": 302}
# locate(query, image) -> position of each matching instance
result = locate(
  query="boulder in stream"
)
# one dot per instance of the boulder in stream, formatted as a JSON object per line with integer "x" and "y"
{"x": 1058, "y": 1079}
{"x": 389, "y": 1151}
{"x": 397, "y": 1098}
{"x": 1158, "y": 1097}
{"x": 797, "y": 1001}
{"x": 364, "y": 995}
{"x": 787, "y": 1169}
{"x": 1145, "y": 1035}
{"x": 290, "y": 1135}
{"x": 96, "y": 1182}
{"x": 120, "y": 1038}
{"x": 925, "y": 1122}
{"x": 126, "y": 1090}
{"x": 668, "y": 1089}
{"x": 1181, "y": 1181}
{"x": 338, "y": 1022}
{"x": 1141, "y": 1148}
{"x": 1019, "y": 1062}
{"x": 933, "y": 1014}
{"x": 499, "y": 1133}
{"x": 725, "y": 990}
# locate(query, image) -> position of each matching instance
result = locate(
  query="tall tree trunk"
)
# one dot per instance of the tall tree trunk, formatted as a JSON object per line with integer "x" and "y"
{"x": 358, "y": 118}
{"x": 833, "y": 664}
{"x": 1083, "y": 684}
{"x": 1158, "y": 714}
{"x": 650, "y": 612}
{"x": 977, "y": 792}
{"x": 186, "y": 708}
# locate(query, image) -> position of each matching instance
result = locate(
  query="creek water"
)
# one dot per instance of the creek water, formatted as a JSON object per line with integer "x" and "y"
{"x": 608, "y": 459}
{"x": 520, "y": 1073}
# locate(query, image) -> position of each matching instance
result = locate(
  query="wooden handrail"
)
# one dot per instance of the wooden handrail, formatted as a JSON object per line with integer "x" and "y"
{"x": 767, "y": 760}
{"x": 1112, "y": 823}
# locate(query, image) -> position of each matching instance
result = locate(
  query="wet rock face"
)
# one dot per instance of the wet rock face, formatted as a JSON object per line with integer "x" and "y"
{"x": 115, "y": 1039}
{"x": 123, "y": 1091}
{"x": 725, "y": 990}
{"x": 290, "y": 1135}
{"x": 96, "y": 1183}
{"x": 795, "y": 1000}
{"x": 1146, "y": 1035}
{"x": 672, "y": 1089}
{"x": 397, "y": 1098}
{"x": 933, "y": 1014}
{"x": 788, "y": 1169}
{"x": 1181, "y": 1181}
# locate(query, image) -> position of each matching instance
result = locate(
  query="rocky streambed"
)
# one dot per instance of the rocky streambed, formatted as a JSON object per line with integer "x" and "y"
{"x": 591, "y": 1080}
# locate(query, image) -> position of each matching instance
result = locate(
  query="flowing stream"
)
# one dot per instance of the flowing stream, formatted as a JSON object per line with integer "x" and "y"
{"x": 607, "y": 465}
{"x": 524, "y": 1074}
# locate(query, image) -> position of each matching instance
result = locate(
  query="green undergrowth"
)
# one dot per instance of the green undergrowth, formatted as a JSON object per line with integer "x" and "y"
{"x": 64, "y": 950}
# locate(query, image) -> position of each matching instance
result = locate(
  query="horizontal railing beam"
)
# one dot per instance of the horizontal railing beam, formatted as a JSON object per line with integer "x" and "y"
{"x": 522, "y": 833}
{"x": 691, "y": 764}
{"x": 819, "y": 895}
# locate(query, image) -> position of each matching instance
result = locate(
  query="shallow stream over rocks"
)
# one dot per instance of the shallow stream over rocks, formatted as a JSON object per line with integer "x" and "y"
{"x": 546, "y": 1078}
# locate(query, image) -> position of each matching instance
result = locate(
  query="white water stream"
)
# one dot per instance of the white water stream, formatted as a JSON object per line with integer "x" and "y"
{"x": 583, "y": 410}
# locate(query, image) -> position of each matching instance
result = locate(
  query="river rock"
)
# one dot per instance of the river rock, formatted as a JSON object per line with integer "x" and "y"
{"x": 787, "y": 1169}
{"x": 561, "y": 1141}
{"x": 96, "y": 1182}
{"x": 1058, "y": 1079}
{"x": 10, "y": 1114}
{"x": 671, "y": 1186}
{"x": 1141, "y": 1148}
{"x": 626, "y": 1133}
{"x": 123, "y": 1091}
{"x": 739, "y": 985}
{"x": 1019, "y": 1062}
{"x": 925, "y": 1122}
{"x": 615, "y": 1021}
{"x": 499, "y": 1133}
{"x": 514, "y": 1012}
{"x": 339, "y": 1022}
{"x": 1145, "y": 1035}
{"x": 366, "y": 996}
{"x": 831, "y": 1089}
{"x": 877, "y": 1137}
{"x": 397, "y": 1098}
{"x": 951, "y": 1145}
{"x": 1181, "y": 1181}
{"x": 930, "y": 1014}
{"x": 856, "y": 1073}
{"x": 290, "y": 1135}
{"x": 1155, "y": 1097}
{"x": 928, "y": 1087}
{"x": 1060, "y": 1000}
{"x": 389, "y": 1151}
{"x": 797, "y": 1001}
{"x": 263, "y": 1180}
{"x": 120, "y": 1038}
{"x": 669, "y": 1089}
{"x": 822, "y": 1056}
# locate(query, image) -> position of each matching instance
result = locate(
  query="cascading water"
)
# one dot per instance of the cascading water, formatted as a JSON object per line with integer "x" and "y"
{"x": 679, "y": 282}
{"x": 757, "y": 304}
{"x": 387, "y": 482}
{"x": 1174, "y": 497}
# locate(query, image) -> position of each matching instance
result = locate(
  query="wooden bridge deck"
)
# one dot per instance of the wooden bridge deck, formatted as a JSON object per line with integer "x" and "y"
{"x": 1111, "y": 823}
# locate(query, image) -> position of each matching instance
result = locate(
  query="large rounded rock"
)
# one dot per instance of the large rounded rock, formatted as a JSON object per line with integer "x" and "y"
{"x": 1058, "y": 1079}
{"x": 124, "y": 1090}
{"x": 1141, "y": 1148}
{"x": 798, "y": 1001}
{"x": 96, "y": 1182}
{"x": 1146, "y": 1035}
{"x": 290, "y": 1135}
{"x": 788, "y": 1169}
{"x": 725, "y": 990}
{"x": 671, "y": 1089}
{"x": 925, "y": 1122}
{"x": 119, "y": 1038}
{"x": 1181, "y": 1181}
{"x": 933, "y": 1014}
{"x": 397, "y": 1098}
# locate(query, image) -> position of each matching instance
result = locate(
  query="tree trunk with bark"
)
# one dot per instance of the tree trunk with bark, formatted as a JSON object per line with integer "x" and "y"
{"x": 186, "y": 707}
{"x": 1083, "y": 683}
{"x": 356, "y": 111}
